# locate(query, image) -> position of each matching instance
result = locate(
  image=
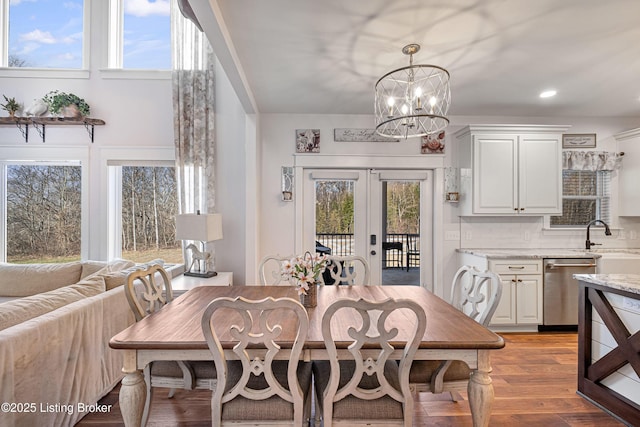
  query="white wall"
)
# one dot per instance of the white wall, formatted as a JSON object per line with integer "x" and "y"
{"x": 231, "y": 181}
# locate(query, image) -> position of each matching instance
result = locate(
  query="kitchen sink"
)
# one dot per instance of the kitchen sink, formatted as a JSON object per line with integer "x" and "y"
{"x": 623, "y": 261}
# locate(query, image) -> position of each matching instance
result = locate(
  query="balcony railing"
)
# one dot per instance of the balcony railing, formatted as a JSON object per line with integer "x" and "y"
{"x": 400, "y": 250}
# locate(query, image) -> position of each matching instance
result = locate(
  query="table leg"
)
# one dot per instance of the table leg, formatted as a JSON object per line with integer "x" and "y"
{"x": 480, "y": 390}
{"x": 133, "y": 392}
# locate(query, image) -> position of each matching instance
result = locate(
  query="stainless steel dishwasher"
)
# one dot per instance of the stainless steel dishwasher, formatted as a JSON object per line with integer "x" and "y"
{"x": 561, "y": 290}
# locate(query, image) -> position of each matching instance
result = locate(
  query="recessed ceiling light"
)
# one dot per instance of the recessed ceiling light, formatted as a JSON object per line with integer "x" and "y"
{"x": 548, "y": 93}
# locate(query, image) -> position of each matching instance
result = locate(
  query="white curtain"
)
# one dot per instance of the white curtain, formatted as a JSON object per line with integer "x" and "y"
{"x": 591, "y": 160}
{"x": 193, "y": 114}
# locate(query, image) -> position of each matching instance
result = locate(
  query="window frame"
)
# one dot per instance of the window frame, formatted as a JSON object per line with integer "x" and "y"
{"x": 57, "y": 156}
{"x": 36, "y": 72}
{"x": 580, "y": 228}
{"x": 115, "y": 50}
{"x": 112, "y": 160}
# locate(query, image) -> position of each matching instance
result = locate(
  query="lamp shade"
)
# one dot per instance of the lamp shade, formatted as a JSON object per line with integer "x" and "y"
{"x": 205, "y": 228}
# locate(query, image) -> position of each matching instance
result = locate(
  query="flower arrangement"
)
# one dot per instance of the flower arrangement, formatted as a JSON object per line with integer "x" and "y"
{"x": 305, "y": 270}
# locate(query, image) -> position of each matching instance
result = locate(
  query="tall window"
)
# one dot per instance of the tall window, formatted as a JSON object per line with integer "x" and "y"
{"x": 43, "y": 213}
{"x": 140, "y": 34}
{"x": 585, "y": 196}
{"x": 149, "y": 205}
{"x": 45, "y": 33}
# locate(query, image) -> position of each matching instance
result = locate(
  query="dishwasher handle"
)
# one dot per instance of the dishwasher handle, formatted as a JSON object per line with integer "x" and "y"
{"x": 553, "y": 265}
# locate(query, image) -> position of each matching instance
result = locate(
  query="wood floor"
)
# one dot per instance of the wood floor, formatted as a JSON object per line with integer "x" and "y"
{"x": 534, "y": 378}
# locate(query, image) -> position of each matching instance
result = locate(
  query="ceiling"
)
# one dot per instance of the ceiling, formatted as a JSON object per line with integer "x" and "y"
{"x": 325, "y": 56}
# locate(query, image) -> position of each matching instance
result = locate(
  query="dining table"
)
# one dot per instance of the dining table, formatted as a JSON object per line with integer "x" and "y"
{"x": 175, "y": 333}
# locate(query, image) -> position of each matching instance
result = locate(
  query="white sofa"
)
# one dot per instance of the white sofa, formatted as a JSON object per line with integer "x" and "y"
{"x": 55, "y": 360}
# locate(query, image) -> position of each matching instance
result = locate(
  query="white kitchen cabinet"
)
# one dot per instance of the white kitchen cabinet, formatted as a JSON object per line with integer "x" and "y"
{"x": 510, "y": 170}
{"x": 521, "y": 303}
{"x": 522, "y": 293}
{"x": 629, "y": 173}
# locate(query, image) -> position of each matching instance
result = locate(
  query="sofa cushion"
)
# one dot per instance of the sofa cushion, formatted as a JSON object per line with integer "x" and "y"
{"x": 22, "y": 309}
{"x": 117, "y": 278}
{"x": 112, "y": 272}
{"x": 91, "y": 267}
{"x": 21, "y": 280}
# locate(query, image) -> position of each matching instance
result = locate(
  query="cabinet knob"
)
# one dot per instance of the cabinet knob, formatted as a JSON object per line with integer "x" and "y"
{"x": 521, "y": 209}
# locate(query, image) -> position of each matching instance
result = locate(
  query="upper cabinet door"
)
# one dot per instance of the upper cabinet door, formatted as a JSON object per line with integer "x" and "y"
{"x": 494, "y": 174}
{"x": 510, "y": 170}
{"x": 540, "y": 174}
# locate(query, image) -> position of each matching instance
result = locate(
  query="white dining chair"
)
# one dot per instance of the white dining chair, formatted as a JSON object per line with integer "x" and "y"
{"x": 477, "y": 294}
{"x": 361, "y": 386}
{"x": 263, "y": 384}
{"x": 347, "y": 270}
{"x": 270, "y": 270}
{"x": 148, "y": 290}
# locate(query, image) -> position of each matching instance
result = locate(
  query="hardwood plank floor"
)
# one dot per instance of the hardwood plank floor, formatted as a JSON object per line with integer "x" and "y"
{"x": 534, "y": 378}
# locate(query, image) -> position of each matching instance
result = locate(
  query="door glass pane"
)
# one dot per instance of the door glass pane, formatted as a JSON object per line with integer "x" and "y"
{"x": 335, "y": 218}
{"x": 149, "y": 206}
{"x": 43, "y": 213}
{"x": 401, "y": 233}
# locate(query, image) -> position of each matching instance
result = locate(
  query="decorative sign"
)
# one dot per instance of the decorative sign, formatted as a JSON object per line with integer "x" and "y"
{"x": 360, "y": 135}
{"x": 579, "y": 140}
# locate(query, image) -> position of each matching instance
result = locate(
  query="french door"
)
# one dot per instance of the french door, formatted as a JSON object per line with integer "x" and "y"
{"x": 385, "y": 216}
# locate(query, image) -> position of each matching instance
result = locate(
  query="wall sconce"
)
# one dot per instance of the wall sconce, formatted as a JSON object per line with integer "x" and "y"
{"x": 287, "y": 183}
{"x": 451, "y": 192}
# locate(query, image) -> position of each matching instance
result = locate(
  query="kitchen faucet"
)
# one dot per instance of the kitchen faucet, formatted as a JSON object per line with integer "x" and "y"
{"x": 607, "y": 232}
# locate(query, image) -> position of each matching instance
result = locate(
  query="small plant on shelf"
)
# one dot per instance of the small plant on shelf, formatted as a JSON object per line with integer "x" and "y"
{"x": 66, "y": 104}
{"x": 10, "y": 105}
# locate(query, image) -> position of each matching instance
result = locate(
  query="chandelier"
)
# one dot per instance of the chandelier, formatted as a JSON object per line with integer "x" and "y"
{"x": 413, "y": 100}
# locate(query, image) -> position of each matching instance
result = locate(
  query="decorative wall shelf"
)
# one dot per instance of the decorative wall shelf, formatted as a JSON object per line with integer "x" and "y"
{"x": 40, "y": 124}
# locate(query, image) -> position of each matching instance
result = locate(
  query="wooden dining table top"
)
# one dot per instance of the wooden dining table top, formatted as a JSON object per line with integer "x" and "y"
{"x": 177, "y": 326}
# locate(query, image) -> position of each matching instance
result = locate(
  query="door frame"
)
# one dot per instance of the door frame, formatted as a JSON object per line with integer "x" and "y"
{"x": 425, "y": 179}
{"x": 396, "y": 162}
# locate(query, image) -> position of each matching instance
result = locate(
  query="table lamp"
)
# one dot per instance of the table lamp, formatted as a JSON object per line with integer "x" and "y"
{"x": 205, "y": 228}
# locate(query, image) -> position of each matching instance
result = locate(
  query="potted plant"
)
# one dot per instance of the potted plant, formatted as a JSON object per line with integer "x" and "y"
{"x": 66, "y": 104}
{"x": 10, "y": 105}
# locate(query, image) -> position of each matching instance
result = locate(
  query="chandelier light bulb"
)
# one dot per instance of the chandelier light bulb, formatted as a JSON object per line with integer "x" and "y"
{"x": 390, "y": 103}
{"x": 404, "y": 109}
{"x": 418, "y": 94}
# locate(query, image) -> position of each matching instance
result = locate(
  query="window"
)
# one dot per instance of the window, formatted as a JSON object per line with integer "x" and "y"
{"x": 148, "y": 205}
{"x": 43, "y": 212}
{"x": 44, "y": 34}
{"x": 585, "y": 197}
{"x": 140, "y": 35}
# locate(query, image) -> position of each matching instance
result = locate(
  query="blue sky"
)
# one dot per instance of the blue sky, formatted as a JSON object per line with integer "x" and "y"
{"x": 48, "y": 33}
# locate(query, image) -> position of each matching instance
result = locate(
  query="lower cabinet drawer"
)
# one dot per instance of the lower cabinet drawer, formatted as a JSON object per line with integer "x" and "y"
{"x": 515, "y": 266}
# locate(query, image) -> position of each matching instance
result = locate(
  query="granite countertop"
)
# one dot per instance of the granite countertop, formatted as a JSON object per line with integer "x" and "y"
{"x": 530, "y": 253}
{"x": 622, "y": 282}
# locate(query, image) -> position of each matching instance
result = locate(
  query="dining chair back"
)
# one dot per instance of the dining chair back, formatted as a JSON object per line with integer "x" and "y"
{"x": 477, "y": 294}
{"x": 148, "y": 290}
{"x": 361, "y": 385}
{"x": 270, "y": 270}
{"x": 264, "y": 384}
{"x": 347, "y": 270}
